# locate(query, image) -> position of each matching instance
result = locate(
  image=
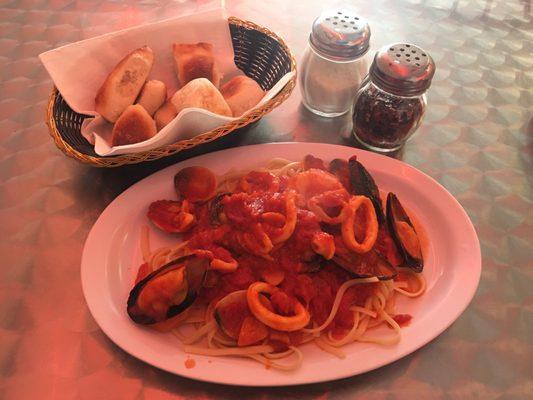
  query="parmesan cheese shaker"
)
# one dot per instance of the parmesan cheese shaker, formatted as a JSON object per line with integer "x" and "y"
{"x": 334, "y": 62}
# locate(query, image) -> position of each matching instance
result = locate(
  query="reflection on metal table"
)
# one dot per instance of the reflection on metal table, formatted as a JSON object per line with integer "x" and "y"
{"x": 475, "y": 140}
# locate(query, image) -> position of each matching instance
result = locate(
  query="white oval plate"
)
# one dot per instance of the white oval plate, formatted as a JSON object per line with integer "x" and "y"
{"x": 452, "y": 269}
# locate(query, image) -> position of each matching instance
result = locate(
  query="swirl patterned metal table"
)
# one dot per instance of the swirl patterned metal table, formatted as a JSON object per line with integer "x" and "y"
{"x": 476, "y": 140}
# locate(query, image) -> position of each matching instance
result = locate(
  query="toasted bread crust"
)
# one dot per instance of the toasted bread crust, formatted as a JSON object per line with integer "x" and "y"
{"x": 152, "y": 96}
{"x": 134, "y": 125}
{"x": 193, "y": 61}
{"x": 123, "y": 84}
{"x": 166, "y": 113}
{"x": 241, "y": 94}
{"x": 201, "y": 93}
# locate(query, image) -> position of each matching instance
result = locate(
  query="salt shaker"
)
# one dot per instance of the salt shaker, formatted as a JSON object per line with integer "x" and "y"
{"x": 334, "y": 62}
{"x": 391, "y": 102}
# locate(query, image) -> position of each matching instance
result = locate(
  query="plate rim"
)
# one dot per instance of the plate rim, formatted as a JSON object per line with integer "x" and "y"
{"x": 458, "y": 310}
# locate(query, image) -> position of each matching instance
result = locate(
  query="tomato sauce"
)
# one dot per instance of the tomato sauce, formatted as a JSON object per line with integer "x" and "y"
{"x": 282, "y": 303}
{"x": 385, "y": 246}
{"x": 257, "y": 209}
{"x": 299, "y": 286}
{"x": 327, "y": 282}
{"x": 402, "y": 319}
{"x": 258, "y": 181}
{"x": 297, "y": 249}
{"x": 242, "y": 208}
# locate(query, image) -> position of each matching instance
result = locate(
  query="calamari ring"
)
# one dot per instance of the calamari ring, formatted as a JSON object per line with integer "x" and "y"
{"x": 313, "y": 204}
{"x": 348, "y": 234}
{"x": 271, "y": 319}
{"x": 224, "y": 266}
{"x": 215, "y": 262}
{"x": 290, "y": 219}
{"x": 273, "y": 218}
{"x": 256, "y": 242}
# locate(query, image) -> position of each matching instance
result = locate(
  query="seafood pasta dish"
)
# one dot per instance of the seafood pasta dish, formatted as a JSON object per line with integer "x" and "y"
{"x": 269, "y": 259}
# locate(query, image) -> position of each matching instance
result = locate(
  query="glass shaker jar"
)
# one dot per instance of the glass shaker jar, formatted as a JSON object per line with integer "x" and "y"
{"x": 390, "y": 104}
{"x": 334, "y": 62}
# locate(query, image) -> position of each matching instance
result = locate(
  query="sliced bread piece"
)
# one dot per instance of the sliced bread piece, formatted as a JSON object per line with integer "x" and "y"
{"x": 201, "y": 93}
{"x": 242, "y": 93}
{"x": 194, "y": 61}
{"x": 153, "y": 95}
{"x": 134, "y": 125}
{"x": 124, "y": 83}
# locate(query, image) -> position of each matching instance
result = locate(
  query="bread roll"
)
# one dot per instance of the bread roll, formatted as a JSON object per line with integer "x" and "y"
{"x": 166, "y": 113}
{"x": 124, "y": 83}
{"x": 194, "y": 61}
{"x": 202, "y": 94}
{"x": 133, "y": 126}
{"x": 242, "y": 93}
{"x": 153, "y": 95}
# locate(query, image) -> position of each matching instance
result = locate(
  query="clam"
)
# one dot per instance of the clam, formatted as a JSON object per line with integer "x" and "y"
{"x": 362, "y": 183}
{"x": 404, "y": 234}
{"x": 233, "y": 316}
{"x": 230, "y": 312}
{"x": 196, "y": 184}
{"x": 168, "y": 291}
{"x": 366, "y": 265}
{"x": 171, "y": 216}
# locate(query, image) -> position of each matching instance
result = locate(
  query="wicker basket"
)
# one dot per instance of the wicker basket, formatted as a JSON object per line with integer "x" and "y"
{"x": 259, "y": 53}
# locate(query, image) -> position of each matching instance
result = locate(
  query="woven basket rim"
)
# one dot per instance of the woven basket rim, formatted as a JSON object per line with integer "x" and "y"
{"x": 164, "y": 151}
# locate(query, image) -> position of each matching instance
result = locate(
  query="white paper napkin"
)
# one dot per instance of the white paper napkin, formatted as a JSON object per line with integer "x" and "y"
{"x": 79, "y": 69}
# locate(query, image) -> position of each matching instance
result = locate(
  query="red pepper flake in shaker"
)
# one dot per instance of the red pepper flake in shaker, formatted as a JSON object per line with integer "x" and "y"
{"x": 391, "y": 103}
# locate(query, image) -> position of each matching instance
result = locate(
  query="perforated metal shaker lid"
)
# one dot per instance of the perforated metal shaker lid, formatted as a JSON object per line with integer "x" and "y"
{"x": 340, "y": 35}
{"x": 402, "y": 69}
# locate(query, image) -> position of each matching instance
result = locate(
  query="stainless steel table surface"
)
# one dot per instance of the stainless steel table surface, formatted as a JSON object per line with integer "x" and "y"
{"x": 476, "y": 140}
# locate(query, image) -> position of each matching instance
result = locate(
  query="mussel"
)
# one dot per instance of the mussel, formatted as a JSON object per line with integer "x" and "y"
{"x": 168, "y": 291}
{"x": 366, "y": 265}
{"x": 216, "y": 209}
{"x": 311, "y": 161}
{"x": 404, "y": 234}
{"x": 362, "y": 183}
{"x": 340, "y": 169}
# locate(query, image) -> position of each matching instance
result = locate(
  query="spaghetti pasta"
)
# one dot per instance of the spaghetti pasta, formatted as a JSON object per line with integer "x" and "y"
{"x": 274, "y": 238}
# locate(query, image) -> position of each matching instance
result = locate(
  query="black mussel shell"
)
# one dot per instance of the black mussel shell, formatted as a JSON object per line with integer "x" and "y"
{"x": 314, "y": 265}
{"x": 362, "y": 183}
{"x": 340, "y": 169}
{"x": 366, "y": 265}
{"x": 311, "y": 161}
{"x": 216, "y": 207}
{"x": 396, "y": 213}
{"x": 195, "y": 271}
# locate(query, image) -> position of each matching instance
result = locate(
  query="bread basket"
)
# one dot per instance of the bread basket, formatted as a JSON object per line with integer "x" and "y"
{"x": 258, "y": 52}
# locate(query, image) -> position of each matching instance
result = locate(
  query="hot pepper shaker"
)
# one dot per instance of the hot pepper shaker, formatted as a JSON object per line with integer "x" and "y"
{"x": 389, "y": 106}
{"x": 334, "y": 62}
